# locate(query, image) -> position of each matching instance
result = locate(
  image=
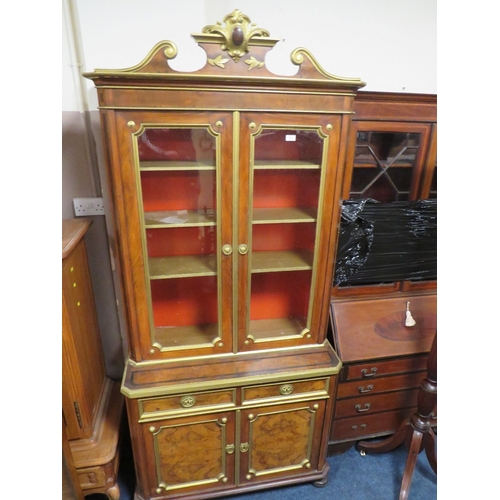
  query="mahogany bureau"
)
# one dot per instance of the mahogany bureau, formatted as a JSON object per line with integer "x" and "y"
{"x": 384, "y": 363}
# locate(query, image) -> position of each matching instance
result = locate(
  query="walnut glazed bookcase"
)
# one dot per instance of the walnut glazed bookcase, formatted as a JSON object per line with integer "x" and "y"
{"x": 226, "y": 185}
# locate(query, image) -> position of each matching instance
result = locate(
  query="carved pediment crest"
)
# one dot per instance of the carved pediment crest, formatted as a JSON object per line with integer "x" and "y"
{"x": 237, "y": 32}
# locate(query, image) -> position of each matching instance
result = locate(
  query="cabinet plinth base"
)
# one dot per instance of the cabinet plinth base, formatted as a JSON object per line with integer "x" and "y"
{"x": 317, "y": 478}
{"x": 97, "y": 459}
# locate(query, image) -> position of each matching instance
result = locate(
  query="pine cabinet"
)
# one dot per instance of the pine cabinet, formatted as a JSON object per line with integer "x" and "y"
{"x": 225, "y": 185}
{"x": 92, "y": 404}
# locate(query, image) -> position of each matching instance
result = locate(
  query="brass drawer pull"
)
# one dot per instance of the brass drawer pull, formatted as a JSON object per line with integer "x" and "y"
{"x": 230, "y": 449}
{"x": 244, "y": 447}
{"x": 362, "y": 410}
{"x": 227, "y": 249}
{"x": 188, "y": 401}
{"x": 362, "y": 389}
{"x": 243, "y": 249}
{"x": 364, "y": 372}
{"x": 286, "y": 389}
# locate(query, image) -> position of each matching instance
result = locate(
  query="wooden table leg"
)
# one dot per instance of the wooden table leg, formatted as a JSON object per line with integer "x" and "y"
{"x": 411, "y": 461}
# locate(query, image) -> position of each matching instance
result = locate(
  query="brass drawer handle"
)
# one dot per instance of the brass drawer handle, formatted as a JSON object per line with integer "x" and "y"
{"x": 244, "y": 447}
{"x": 243, "y": 249}
{"x": 230, "y": 449}
{"x": 188, "y": 401}
{"x": 227, "y": 249}
{"x": 364, "y": 372}
{"x": 362, "y": 389}
{"x": 362, "y": 410}
{"x": 286, "y": 389}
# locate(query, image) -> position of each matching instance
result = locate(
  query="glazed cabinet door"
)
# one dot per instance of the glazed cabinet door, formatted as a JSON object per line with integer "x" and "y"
{"x": 175, "y": 229}
{"x": 188, "y": 455}
{"x": 280, "y": 441}
{"x": 288, "y": 166}
{"x": 386, "y": 161}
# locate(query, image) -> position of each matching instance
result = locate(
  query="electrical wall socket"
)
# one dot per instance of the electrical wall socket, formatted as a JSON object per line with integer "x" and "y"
{"x": 88, "y": 206}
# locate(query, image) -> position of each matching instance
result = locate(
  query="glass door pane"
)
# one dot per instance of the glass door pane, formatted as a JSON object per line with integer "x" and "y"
{"x": 286, "y": 179}
{"x": 178, "y": 181}
{"x": 383, "y": 165}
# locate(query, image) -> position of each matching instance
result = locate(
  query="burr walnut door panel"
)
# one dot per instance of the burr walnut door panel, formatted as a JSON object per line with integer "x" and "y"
{"x": 280, "y": 441}
{"x": 190, "y": 454}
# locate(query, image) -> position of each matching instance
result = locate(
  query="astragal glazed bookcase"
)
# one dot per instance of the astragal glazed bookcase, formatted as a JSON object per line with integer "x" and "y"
{"x": 392, "y": 159}
{"x": 225, "y": 185}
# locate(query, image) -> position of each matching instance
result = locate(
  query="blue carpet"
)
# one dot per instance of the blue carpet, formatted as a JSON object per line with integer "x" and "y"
{"x": 351, "y": 477}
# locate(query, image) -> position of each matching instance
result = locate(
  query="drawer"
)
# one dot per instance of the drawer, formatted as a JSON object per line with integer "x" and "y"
{"x": 378, "y": 385}
{"x": 374, "y": 369}
{"x": 157, "y": 408}
{"x": 376, "y": 403}
{"x": 317, "y": 388}
{"x": 91, "y": 477}
{"x": 346, "y": 429}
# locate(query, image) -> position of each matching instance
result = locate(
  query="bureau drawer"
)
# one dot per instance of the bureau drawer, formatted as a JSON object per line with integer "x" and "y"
{"x": 156, "y": 408}
{"x": 378, "y": 385}
{"x": 374, "y": 369}
{"x": 289, "y": 390}
{"x": 91, "y": 477}
{"x": 347, "y": 429}
{"x": 376, "y": 403}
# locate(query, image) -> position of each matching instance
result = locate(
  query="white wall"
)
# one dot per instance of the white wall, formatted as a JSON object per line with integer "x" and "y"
{"x": 389, "y": 44}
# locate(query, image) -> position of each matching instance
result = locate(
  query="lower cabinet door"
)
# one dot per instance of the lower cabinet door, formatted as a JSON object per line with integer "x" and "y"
{"x": 280, "y": 441}
{"x": 190, "y": 454}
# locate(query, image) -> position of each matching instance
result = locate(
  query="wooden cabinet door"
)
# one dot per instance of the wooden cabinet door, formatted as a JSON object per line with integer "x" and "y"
{"x": 189, "y": 454}
{"x": 288, "y": 168}
{"x": 172, "y": 178}
{"x": 280, "y": 441}
{"x": 386, "y": 161}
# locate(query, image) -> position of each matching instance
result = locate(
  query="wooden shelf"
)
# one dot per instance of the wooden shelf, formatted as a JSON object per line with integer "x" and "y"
{"x": 266, "y": 329}
{"x": 285, "y": 164}
{"x": 182, "y": 336}
{"x": 152, "y": 165}
{"x": 288, "y": 260}
{"x": 179, "y": 218}
{"x": 182, "y": 266}
{"x": 283, "y": 215}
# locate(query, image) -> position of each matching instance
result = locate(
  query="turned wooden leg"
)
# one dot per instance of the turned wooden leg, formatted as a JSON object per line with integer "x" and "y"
{"x": 430, "y": 449}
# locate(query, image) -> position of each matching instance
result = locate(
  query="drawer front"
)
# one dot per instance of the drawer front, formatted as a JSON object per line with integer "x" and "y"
{"x": 374, "y": 369}
{"x": 285, "y": 391}
{"x": 156, "y": 408}
{"x": 378, "y": 385}
{"x": 91, "y": 477}
{"x": 347, "y": 429}
{"x": 377, "y": 403}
